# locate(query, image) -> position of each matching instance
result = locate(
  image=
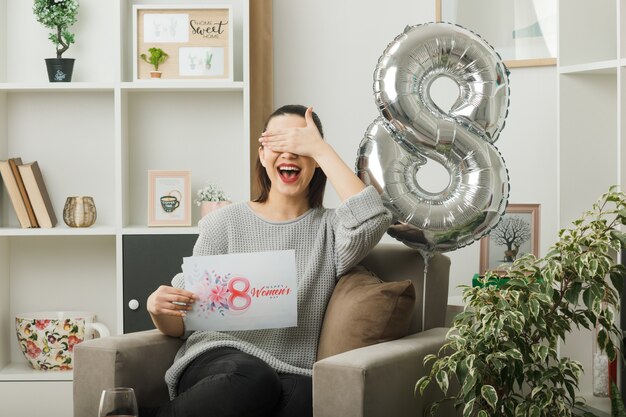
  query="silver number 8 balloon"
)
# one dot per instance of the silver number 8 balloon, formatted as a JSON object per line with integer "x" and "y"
{"x": 412, "y": 129}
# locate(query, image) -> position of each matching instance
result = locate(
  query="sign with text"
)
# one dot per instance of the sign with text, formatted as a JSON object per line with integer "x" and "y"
{"x": 242, "y": 291}
{"x": 197, "y": 42}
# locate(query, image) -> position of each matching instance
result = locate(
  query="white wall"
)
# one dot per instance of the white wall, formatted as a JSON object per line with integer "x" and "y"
{"x": 325, "y": 52}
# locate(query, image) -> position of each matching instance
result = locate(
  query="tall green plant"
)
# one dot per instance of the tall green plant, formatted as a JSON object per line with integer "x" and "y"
{"x": 502, "y": 349}
{"x": 58, "y": 15}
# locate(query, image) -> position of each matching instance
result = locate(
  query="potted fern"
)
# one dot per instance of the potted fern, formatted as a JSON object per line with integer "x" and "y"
{"x": 156, "y": 58}
{"x": 58, "y": 15}
{"x": 210, "y": 198}
{"x": 502, "y": 350}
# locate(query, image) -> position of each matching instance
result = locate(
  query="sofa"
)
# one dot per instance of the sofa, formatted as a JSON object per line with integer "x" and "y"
{"x": 370, "y": 381}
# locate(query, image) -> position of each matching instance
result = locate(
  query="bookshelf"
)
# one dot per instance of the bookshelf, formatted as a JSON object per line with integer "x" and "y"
{"x": 99, "y": 135}
{"x": 591, "y": 93}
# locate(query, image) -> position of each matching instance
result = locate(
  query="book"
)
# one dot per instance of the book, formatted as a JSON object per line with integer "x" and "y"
{"x": 10, "y": 184}
{"x": 13, "y": 163}
{"x": 38, "y": 194}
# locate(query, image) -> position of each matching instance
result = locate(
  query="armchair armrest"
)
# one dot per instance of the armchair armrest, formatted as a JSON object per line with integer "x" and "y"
{"x": 137, "y": 360}
{"x": 377, "y": 380}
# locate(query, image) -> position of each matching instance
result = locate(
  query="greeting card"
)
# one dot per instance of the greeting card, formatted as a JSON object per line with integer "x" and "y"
{"x": 242, "y": 291}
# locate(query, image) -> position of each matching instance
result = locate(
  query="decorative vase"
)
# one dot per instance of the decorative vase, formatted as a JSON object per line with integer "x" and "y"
{"x": 79, "y": 212}
{"x": 600, "y": 366}
{"x": 208, "y": 206}
{"x": 60, "y": 69}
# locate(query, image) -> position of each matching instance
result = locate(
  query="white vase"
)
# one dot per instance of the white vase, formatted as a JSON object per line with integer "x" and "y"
{"x": 208, "y": 206}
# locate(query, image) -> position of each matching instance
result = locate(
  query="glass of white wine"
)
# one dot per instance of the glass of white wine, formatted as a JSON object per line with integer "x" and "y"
{"x": 118, "y": 402}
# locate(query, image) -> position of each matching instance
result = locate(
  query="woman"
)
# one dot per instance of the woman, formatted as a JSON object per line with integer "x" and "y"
{"x": 268, "y": 372}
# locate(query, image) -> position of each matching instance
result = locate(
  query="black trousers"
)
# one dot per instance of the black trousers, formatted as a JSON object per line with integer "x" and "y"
{"x": 227, "y": 382}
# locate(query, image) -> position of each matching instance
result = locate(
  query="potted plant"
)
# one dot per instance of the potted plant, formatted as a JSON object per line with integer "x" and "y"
{"x": 502, "y": 350}
{"x": 157, "y": 57}
{"x": 210, "y": 198}
{"x": 58, "y": 15}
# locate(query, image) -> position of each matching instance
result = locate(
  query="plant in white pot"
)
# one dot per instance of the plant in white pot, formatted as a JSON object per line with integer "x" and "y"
{"x": 156, "y": 58}
{"x": 58, "y": 15}
{"x": 210, "y": 198}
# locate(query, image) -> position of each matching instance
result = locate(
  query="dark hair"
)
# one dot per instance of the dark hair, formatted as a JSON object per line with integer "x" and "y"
{"x": 318, "y": 182}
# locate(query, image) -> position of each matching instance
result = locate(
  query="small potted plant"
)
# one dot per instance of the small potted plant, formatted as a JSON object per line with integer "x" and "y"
{"x": 210, "y": 198}
{"x": 58, "y": 15}
{"x": 157, "y": 57}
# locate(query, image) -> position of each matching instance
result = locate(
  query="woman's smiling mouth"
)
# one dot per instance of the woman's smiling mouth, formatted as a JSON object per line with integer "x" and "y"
{"x": 288, "y": 173}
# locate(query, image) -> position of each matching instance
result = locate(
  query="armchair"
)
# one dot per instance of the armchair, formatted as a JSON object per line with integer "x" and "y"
{"x": 376, "y": 380}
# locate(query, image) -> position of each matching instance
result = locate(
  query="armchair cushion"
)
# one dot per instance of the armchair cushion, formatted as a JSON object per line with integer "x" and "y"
{"x": 364, "y": 311}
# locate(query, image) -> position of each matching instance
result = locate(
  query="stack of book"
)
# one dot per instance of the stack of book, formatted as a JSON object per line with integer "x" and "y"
{"x": 27, "y": 192}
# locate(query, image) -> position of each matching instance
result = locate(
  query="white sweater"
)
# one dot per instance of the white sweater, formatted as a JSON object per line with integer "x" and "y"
{"x": 327, "y": 243}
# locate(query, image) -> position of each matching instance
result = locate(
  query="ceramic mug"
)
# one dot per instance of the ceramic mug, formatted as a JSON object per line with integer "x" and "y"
{"x": 47, "y": 339}
{"x": 171, "y": 202}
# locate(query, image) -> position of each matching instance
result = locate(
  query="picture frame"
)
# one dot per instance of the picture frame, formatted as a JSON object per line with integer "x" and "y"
{"x": 523, "y": 32}
{"x": 169, "y": 198}
{"x": 515, "y": 235}
{"x": 197, "y": 38}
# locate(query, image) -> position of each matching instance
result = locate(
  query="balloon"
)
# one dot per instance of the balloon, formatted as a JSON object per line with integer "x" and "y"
{"x": 412, "y": 130}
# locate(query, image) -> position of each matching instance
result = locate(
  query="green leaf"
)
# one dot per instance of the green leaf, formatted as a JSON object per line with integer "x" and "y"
{"x": 421, "y": 384}
{"x": 516, "y": 283}
{"x": 428, "y": 358}
{"x": 610, "y": 351}
{"x": 570, "y": 389}
{"x": 587, "y": 297}
{"x": 468, "y": 384}
{"x": 543, "y": 351}
{"x": 469, "y": 406}
{"x": 514, "y": 353}
{"x": 535, "y": 391}
{"x": 619, "y": 236}
{"x": 593, "y": 267}
{"x": 534, "y": 307}
{"x": 483, "y": 413}
{"x": 442, "y": 380}
{"x": 490, "y": 395}
{"x": 573, "y": 293}
{"x": 534, "y": 411}
{"x": 617, "y": 279}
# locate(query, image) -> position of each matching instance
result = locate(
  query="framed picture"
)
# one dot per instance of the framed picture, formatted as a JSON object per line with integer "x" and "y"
{"x": 523, "y": 32}
{"x": 516, "y": 234}
{"x": 197, "y": 39}
{"x": 169, "y": 194}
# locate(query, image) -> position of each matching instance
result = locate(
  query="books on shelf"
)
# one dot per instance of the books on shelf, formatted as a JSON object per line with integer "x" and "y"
{"x": 13, "y": 163}
{"x": 38, "y": 194}
{"x": 27, "y": 192}
{"x": 13, "y": 189}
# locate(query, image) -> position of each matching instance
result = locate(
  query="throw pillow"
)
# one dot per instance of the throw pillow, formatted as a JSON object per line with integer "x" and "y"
{"x": 363, "y": 311}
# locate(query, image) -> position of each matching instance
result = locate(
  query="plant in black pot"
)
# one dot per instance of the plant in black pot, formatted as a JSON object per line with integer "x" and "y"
{"x": 58, "y": 15}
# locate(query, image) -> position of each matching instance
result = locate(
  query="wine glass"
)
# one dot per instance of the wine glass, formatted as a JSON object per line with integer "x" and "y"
{"x": 118, "y": 402}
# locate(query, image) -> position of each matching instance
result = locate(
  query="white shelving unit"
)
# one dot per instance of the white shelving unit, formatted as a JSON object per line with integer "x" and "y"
{"x": 99, "y": 135}
{"x": 591, "y": 71}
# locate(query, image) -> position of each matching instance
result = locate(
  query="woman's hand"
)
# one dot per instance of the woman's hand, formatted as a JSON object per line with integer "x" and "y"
{"x": 303, "y": 141}
{"x": 170, "y": 301}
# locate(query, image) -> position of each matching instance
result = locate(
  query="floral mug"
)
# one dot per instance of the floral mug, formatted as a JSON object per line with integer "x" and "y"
{"x": 47, "y": 339}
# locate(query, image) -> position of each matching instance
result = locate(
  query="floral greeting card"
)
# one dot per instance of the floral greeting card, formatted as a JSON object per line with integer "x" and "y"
{"x": 242, "y": 291}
